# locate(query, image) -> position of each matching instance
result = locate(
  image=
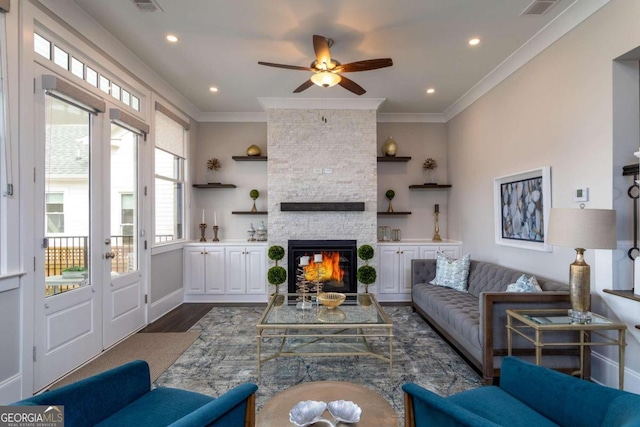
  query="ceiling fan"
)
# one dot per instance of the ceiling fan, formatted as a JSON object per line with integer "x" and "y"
{"x": 326, "y": 71}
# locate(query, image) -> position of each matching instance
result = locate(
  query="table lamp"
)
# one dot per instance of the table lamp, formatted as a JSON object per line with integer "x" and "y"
{"x": 581, "y": 229}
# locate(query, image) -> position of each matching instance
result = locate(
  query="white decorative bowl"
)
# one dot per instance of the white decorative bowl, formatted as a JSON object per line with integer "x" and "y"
{"x": 345, "y": 411}
{"x": 307, "y": 412}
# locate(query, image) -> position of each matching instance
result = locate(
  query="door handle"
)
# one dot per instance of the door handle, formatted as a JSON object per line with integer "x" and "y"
{"x": 109, "y": 255}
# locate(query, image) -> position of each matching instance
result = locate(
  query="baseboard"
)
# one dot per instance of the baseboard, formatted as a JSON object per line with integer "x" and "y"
{"x": 605, "y": 371}
{"x": 165, "y": 305}
{"x": 10, "y": 389}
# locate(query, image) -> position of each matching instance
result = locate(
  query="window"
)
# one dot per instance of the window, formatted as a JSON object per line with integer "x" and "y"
{"x": 55, "y": 212}
{"x": 127, "y": 212}
{"x": 169, "y": 181}
{"x": 49, "y": 50}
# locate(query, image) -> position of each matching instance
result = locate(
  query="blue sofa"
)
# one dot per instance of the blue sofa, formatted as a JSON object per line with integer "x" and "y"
{"x": 528, "y": 396}
{"x": 123, "y": 397}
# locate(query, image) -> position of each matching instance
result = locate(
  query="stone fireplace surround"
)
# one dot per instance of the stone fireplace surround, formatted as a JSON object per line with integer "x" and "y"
{"x": 312, "y": 160}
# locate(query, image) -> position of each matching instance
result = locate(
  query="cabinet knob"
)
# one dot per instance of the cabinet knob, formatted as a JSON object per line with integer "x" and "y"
{"x": 401, "y": 252}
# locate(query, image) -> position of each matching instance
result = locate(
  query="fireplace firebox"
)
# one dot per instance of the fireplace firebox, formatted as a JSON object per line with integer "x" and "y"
{"x": 336, "y": 269}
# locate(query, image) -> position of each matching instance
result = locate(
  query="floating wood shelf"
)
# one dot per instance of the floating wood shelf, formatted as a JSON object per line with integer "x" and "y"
{"x": 624, "y": 294}
{"x": 383, "y": 159}
{"x": 249, "y": 213}
{"x": 322, "y": 207}
{"x": 249, "y": 158}
{"x": 216, "y": 185}
{"x": 430, "y": 186}
{"x": 393, "y": 213}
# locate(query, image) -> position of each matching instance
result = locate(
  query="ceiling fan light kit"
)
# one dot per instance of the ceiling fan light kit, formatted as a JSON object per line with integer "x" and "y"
{"x": 327, "y": 70}
{"x": 326, "y": 79}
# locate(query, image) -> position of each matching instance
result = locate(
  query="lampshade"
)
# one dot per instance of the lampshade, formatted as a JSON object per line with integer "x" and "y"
{"x": 326, "y": 78}
{"x": 582, "y": 228}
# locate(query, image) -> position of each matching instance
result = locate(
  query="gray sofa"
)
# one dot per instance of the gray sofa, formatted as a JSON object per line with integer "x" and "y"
{"x": 475, "y": 322}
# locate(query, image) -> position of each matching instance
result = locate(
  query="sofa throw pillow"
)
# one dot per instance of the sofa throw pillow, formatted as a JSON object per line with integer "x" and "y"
{"x": 452, "y": 273}
{"x": 525, "y": 285}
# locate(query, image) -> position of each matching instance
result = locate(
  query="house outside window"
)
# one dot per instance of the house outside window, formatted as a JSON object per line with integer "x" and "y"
{"x": 127, "y": 212}
{"x": 55, "y": 212}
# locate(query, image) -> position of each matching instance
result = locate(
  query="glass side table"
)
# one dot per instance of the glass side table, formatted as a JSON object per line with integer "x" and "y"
{"x": 532, "y": 325}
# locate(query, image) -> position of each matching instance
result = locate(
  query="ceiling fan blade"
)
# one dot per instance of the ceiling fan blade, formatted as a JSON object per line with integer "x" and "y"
{"x": 288, "y": 67}
{"x": 351, "y": 86}
{"x": 369, "y": 64}
{"x": 304, "y": 86}
{"x": 321, "y": 47}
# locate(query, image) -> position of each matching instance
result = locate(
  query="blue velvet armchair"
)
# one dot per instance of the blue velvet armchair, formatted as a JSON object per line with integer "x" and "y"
{"x": 123, "y": 397}
{"x": 528, "y": 396}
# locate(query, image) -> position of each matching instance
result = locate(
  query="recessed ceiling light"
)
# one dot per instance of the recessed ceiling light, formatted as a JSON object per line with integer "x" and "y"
{"x": 172, "y": 38}
{"x": 430, "y": 90}
{"x": 474, "y": 41}
{"x": 213, "y": 89}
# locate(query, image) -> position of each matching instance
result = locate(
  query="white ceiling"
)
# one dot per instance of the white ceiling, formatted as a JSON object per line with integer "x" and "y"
{"x": 221, "y": 42}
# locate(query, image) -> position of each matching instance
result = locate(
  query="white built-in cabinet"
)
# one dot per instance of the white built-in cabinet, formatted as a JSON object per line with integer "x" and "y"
{"x": 394, "y": 266}
{"x": 225, "y": 272}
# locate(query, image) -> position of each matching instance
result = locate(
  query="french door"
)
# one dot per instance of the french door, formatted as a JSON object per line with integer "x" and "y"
{"x": 89, "y": 281}
{"x": 124, "y": 306}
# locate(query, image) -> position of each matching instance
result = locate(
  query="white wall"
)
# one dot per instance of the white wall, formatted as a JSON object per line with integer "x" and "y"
{"x": 418, "y": 141}
{"x": 222, "y": 141}
{"x": 555, "y": 111}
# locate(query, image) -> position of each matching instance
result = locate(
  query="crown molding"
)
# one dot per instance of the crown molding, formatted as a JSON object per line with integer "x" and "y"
{"x": 321, "y": 103}
{"x": 554, "y": 30}
{"x": 411, "y": 118}
{"x": 257, "y": 117}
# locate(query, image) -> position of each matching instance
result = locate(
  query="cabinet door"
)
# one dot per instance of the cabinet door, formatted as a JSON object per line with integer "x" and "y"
{"x": 407, "y": 253}
{"x": 451, "y": 251}
{"x": 428, "y": 252}
{"x": 214, "y": 270}
{"x": 194, "y": 272}
{"x": 234, "y": 270}
{"x": 388, "y": 263}
{"x": 255, "y": 269}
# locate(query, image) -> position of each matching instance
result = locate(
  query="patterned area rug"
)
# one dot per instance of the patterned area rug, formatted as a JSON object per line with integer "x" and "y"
{"x": 225, "y": 355}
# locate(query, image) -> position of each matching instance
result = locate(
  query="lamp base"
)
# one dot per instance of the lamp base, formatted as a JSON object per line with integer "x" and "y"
{"x": 579, "y": 316}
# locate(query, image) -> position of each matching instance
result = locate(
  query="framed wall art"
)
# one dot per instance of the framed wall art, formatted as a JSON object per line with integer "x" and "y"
{"x": 522, "y": 206}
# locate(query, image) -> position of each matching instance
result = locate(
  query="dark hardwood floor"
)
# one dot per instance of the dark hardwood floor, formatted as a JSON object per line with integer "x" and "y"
{"x": 180, "y": 319}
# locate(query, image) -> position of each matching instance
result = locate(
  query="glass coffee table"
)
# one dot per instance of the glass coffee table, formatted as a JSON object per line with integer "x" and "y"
{"x": 319, "y": 331}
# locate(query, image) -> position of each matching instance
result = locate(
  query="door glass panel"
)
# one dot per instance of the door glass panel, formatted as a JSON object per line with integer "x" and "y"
{"x": 66, "y": 198}
{"x": 124, "y": 200}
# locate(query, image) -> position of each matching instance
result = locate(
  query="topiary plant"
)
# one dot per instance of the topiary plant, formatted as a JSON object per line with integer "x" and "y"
{"x": 366, "y": 274}
{"x": 254, "y": 194}
{"x": 390, "y": 194}
{"x": 276, "y": 275}
{"x": 276, "y": 253}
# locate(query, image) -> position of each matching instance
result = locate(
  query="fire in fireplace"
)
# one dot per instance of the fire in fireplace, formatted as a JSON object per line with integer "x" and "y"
{"x": 331, "y": 262}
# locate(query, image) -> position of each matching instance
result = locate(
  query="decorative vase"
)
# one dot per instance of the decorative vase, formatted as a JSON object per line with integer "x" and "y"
{"x": 390, "y": 147}
{"x": 211, "y": 176}
{"x": 253, "y": 150}
{"x": 429, "y": 177}
{"x": 261, "y": 231}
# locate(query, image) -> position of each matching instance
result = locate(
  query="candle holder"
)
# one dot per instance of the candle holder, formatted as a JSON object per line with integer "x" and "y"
{"x": 203, "y": 227}
{"x": 215, "y": 233}
{"x": 436, "y": 235}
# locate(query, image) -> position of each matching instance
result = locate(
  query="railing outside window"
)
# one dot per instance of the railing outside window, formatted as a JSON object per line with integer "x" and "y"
{"x": 73, "y": 252}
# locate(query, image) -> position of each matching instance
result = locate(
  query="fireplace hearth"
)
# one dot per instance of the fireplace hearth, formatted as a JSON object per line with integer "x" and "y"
{"x": 336, "y": 271}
